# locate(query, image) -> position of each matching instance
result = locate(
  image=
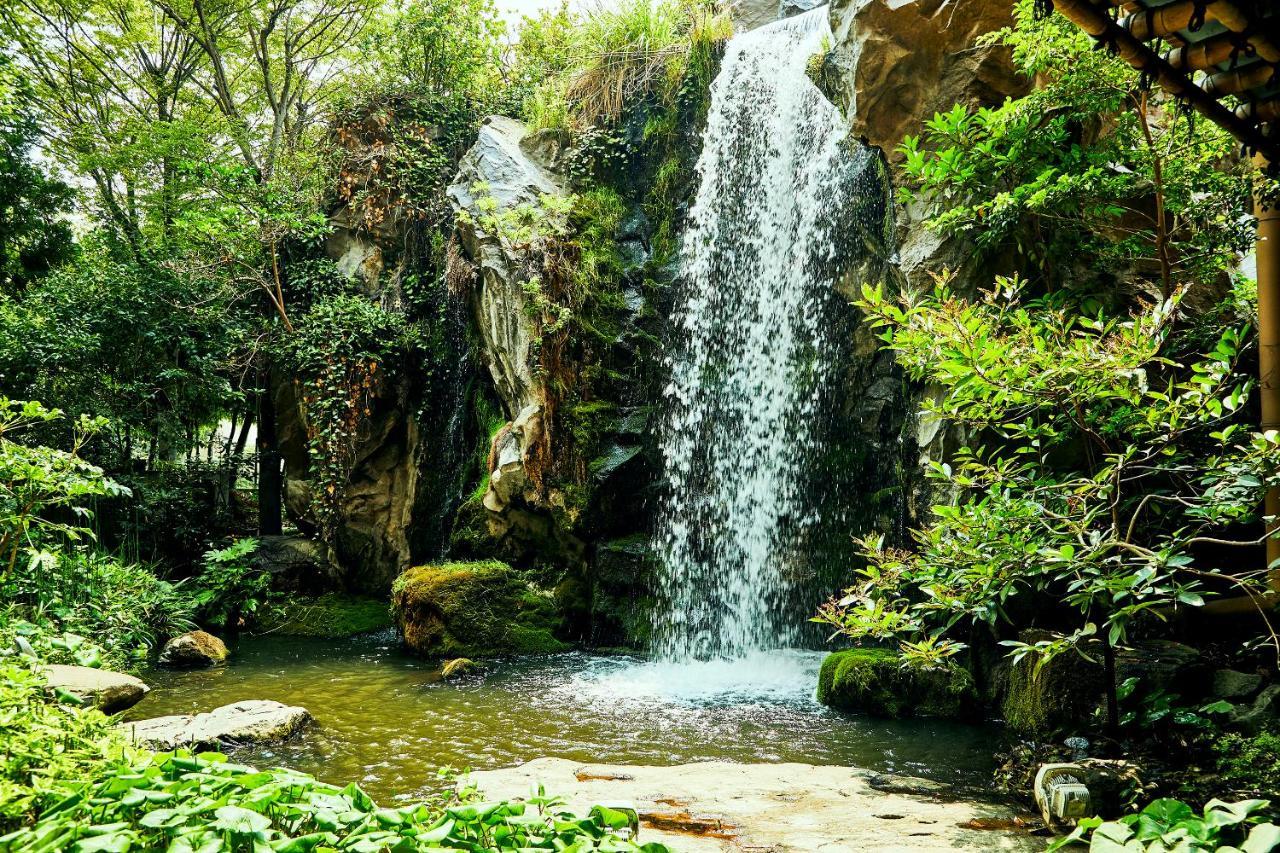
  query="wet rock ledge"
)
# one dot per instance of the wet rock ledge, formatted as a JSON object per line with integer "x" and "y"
{"x": 716, "y": 806}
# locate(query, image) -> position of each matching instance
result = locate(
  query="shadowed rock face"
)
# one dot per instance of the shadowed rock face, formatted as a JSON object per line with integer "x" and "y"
{"x": 897, "y": 62}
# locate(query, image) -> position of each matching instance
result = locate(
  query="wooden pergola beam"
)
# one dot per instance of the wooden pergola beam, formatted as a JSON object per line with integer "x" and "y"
{"x": 1097, "y": 23}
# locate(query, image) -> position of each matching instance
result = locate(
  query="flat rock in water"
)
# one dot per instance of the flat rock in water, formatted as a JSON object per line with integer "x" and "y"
{"x": 719, "y": 806}
{"x": 251, "y": 721}
{"x": 108, "y": 691}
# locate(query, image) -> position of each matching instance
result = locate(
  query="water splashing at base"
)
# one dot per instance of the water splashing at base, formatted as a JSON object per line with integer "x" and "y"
{"x": 750, "y": 371}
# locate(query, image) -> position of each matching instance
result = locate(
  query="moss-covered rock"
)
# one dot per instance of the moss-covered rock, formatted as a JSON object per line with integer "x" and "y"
{"x": 879, "y": 682}
{"x": 472, "y": 610}
{"x": 331, "y": 616}
{"x": 1043, "y": 699}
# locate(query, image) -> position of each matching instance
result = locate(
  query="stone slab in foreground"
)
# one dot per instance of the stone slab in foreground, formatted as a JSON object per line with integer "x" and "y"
{"x": 250, "y": 721}
{"x": 108, "y": 691}
{"x": 717, "y": 806}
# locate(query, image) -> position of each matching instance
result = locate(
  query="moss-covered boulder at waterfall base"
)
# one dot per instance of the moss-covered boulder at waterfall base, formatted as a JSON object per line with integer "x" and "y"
{"x": 472, "y": 610}
{"x": 879, "y": 682}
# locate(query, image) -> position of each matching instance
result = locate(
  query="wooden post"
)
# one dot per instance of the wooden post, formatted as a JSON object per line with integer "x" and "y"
{"x": 1268, "y": 255}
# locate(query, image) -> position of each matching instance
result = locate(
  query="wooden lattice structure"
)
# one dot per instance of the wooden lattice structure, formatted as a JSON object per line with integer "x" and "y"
{"x": 1222, "y": 58}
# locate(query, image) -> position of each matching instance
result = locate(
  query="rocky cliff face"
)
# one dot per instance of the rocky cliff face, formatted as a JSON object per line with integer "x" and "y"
{"x": 568, "y": 467}
{"x": 893, "y": 65}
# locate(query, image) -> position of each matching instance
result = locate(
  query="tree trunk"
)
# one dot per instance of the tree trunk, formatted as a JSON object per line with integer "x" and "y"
{"x": 270, "y": 482}
{"x": 1109, "y": 679}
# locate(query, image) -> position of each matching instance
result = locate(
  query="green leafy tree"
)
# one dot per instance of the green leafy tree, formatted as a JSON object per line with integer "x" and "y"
{"x": 34, "y": 236}
{"x": 42, "y": 487}
{"x": 1108, "y": 465}
{"x": 1090, "y": 176}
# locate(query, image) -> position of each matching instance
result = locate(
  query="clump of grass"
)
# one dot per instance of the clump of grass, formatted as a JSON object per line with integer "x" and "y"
{"x": 615, "y": 56}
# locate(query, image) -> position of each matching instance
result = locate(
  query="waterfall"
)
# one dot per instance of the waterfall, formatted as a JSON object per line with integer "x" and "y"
{"x": 750, "y": 369}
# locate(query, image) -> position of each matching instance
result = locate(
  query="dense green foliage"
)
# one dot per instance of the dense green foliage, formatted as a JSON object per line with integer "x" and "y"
{"x": 204, "y": 802}
{"x": 1101, "y": 452}
{"x": 33, "y": 236}
{"x": 47, "y": 745}
{"x": 1090, "y": 177}
{"x": 1169, "y": 825}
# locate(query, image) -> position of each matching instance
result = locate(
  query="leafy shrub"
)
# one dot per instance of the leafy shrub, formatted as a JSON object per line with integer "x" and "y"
{"x": 580, "y": 72}
{"x": 46, "y": 744}
{"x": 123, "y": 606}
{"x": 231, "y": 588}
{"x": 1171, "y": 825}
{"x": 42, "y": 487}
{"x": 183, "y": 802}
{"x": 1106, "y": 525}
{"x": 1249, "y": 764}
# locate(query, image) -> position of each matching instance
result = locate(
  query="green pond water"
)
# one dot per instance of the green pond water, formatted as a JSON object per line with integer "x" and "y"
{"x": 388, "y": 720}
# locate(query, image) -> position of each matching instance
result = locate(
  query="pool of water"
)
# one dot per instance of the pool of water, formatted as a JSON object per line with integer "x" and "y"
{"x": 389, "y": 721}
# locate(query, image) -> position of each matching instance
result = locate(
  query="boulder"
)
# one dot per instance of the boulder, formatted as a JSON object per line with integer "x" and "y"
{"x": 1263, "y": 714}
{"x": 749, "y": 14}
{"x": 1041, "y": 699}
{"x": 1165, "y": 665}
{"x": 250, "y": 721}
{"x": 108, "y": 691}
{"x": 295, "y": 563}
{"x": 1232, "y": 684}
{"x": 883, "y": 49}
{"x": 194, "y": 648}
{"x": 881, "y": 683}
{"x": 472, "y": 610}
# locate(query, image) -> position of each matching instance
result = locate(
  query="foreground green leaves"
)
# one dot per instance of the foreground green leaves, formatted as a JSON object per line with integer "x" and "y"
{"x": 1171, "y": 825}
{"x": 45, "y": 744}
{"x": 185, "y": 803}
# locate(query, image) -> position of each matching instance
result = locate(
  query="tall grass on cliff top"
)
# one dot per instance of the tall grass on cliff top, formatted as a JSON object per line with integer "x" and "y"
{"x": 593, "y": 65}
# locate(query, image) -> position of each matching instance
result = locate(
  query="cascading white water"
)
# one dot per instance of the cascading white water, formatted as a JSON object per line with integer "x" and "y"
{"x": 748, "y": 375}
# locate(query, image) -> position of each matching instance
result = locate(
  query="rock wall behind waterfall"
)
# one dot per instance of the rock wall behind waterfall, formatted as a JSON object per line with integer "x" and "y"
{"x": 893, "y": 64}
{"x": 470, "y": 430}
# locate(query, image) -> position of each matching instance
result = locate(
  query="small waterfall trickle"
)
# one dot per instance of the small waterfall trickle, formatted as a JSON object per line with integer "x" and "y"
{"x": 751, "y": 369}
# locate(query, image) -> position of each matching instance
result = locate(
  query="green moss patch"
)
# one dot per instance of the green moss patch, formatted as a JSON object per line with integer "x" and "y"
{"x": 332, "y": 616}
{"x": 473, "y": 610}
{"x": 879, "y": 682}
{"x": 1043, "y": 699}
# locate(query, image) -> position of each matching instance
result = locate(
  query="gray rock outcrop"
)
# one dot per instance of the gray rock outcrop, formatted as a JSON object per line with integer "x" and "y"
{"x": 498, "y": 171}
{"x": 110, "y": 692}
{"x": 250, "y": 721}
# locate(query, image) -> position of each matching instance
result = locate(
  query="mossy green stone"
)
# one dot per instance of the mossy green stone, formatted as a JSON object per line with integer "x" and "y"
{"x": 472, "y": 610}
{"x": 1044, "y": 698}
{"x": 879, "y": 682}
